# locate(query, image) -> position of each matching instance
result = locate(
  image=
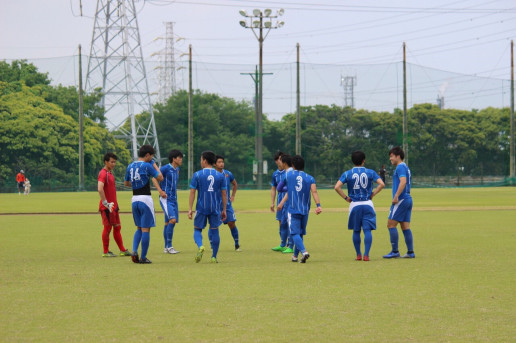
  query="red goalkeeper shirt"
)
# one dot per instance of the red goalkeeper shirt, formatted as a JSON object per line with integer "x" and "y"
{"x": 109, "y": 188}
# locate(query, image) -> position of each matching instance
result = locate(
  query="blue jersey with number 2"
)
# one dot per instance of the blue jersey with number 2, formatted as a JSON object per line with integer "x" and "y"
{"x": 208, "y": 183}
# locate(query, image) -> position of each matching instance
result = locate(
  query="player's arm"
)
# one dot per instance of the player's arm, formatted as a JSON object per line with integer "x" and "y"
{"x": 313, "y": 189}
{"x": 161, "y": 192}
{"x": 234, "y": 190}
{"x": 273, "y": 197}
{"x": 127, "y": 183}
{"x": 283, "y": 201}
{"x": 190, "y": 202}
{"x": 401, "y": 187}
{"x": 378, "y": 188}
{"x": 100, "y": 189}
{"x": 224, "y": 204}
{"x": 338, "y": 189}
{"x": 160, "y": 176}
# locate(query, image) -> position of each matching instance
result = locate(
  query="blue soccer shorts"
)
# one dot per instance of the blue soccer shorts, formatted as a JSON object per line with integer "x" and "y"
{"x": 230, "y": 215}
{"x": 297, "y": 223}
{"x": 361, "y": 215}
{"x": 201, "y": 220}
{"x": 402, "y": 211}
{"x": 170, "y": 209}
{"x": 143, "y": 211}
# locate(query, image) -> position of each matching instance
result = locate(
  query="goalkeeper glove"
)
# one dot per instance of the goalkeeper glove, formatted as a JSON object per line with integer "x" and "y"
{"x": 108, "y": 205}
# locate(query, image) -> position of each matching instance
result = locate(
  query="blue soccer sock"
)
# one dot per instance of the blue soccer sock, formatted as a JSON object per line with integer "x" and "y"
{"x": 136, "y": 240}
{"x": 368, "y": 241}
{"x": 215, "y": 237}
{"x": 393, "y": 232}
{"x": 197, "y": 236}
{"x": 298, "y": 241}
{"x": 170, "y": 234}
{"x": 145, "y": 244}
{"x": 234, "y": 233}
{"x": 284, "y": 234}
{"x": 165, "y": 235}
{"x": 409, "y": 240}
{"x": 357, "y": 241}
{"x": 210, "y": 238}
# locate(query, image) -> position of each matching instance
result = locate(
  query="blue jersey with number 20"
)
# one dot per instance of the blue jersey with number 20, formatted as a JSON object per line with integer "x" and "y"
{"x": 360, "y": 183}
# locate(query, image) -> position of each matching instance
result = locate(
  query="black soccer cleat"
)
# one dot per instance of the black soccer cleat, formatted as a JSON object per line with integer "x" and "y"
{"x": 305, "y": 257}
{"x": 145, "y": 261}
{"x": 134, "y": 257}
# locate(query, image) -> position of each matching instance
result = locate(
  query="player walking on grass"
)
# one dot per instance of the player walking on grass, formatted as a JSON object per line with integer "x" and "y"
{"x": 208, "y": 183}
{"x": 108, "y": 206}
{"x": 277, "y": 177}
{"x": 401, "y": 208}
{"x": 286, "y": 161}
{"x": 361, "y": 209}
{"x": 300, "y": 185}
{"x": 137, "y": 176}
{"x": 168, "y": 197}
{"x": 229, "y": 179}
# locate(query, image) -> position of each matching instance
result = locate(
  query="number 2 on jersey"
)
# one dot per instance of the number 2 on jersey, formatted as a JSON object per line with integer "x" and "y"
{"x": 212, "y": 180}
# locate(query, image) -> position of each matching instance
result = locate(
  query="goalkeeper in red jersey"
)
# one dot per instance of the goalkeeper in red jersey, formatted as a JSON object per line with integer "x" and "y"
{"x": 108, "y": 206}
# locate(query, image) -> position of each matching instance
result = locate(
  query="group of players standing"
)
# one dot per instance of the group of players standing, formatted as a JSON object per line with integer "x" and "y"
{"x": 294, "y": 189}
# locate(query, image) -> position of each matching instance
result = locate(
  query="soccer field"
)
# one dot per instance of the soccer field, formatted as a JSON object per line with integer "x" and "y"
{"x": 56, "y": 287}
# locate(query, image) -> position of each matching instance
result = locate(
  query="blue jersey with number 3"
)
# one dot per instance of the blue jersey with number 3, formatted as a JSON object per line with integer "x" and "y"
{"x": 360, "y": 183}
{"x": 299, "y": 186}
{"x": 208, "y": 183}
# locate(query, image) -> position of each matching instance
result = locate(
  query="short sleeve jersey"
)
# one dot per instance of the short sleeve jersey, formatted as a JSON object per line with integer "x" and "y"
{"x": 277, "y": 177}
{"x": 139, "y": 173}
{"x": 299, "y": 186}
{"x": 228, "y": 178}
{"x": 208, "y": 182}
{"x": 360, "y": 183}
{"x": 402, "y": 170}
{"x": 109, "y": 188}
{"x": 169, "y": 183}
{"x": 20, "y": 177}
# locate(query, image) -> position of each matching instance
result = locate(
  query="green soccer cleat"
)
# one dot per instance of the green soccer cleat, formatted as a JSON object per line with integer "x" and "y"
{"x": 214, "y": 260}
{"x": 288, "y": 251}
{"x": 278, "y": 248}
{"x": 125, "y": 253}
{"x": 198, "y": 257}
{"x": 108, "y": 254}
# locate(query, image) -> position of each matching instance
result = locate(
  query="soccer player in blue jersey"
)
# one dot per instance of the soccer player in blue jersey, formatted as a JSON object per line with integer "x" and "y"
{"x": 361, "y": 211}
{"x": 168, "y": 197}
{"x": 286, "y": 161}
{"x": 277, "y": 177}
{"x": 207, "y": 182}
{"x": 299, "y": 185}
{"x": 229, "y": 179}
{"x": 401, "y": 208}
{"x": 137, "y": 176}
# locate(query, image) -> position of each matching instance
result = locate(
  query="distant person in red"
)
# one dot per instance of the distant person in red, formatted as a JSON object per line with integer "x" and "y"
{"x": 108, "y": 206}
{"x": 20, "y": 180}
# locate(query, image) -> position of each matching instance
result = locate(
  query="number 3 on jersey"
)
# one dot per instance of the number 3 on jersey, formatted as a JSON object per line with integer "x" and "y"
{"x": 299, "y": 184}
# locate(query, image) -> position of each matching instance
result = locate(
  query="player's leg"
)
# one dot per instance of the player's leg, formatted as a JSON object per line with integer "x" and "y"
{"x": 357, "y": 241}
{"x": 215, "y": 222}
{"x": 147, "y": 222}
{"x": 164, "y": 206}
{"x": 114, "y": 218}
{"x": 289, "y": 247}
{"x": 392, "y": 224}
{"x": 368, "y": 241}
{"x": 355, "y": 224}
{"x": 409, "y": 240}
{"x": 105, "y": 233}
{"x": 231, "y": 221}
{"x": 304, "y": 253}
{"x": 368, "y": 224}
{"x": 200, "y": 221}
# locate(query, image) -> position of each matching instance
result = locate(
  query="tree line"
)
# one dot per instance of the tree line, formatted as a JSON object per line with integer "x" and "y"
{"x": 39, "y": 133}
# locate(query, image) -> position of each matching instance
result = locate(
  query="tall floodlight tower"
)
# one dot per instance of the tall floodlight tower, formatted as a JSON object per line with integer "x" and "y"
{"x": 167, "y": 65}
{"x": 116, "y": 66}
{"x": 349, "y": 83}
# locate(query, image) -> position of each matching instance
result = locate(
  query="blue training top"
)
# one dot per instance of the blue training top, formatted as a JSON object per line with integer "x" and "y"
{"x": 360, "y": 183}
{"x": 209, "y": 183}
{"x": 402, "y": 170}
{"x": 139, "y": 173}
{"x": 169, "y": 183}
{"x": 299, "y": 186}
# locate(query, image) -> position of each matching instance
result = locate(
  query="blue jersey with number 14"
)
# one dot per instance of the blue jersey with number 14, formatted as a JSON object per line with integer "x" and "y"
{"x": 360, "y": 183}
{"x": 139, "y": 173}
{"x": 299, "y": 186}
{"x": 208, "y": 183}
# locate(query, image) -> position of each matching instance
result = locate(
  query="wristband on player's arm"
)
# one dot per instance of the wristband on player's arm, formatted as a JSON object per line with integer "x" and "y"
{"x": 319, "y": 205}
{"x": 105, "y": 203}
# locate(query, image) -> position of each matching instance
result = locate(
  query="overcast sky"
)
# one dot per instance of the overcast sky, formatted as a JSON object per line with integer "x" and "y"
{"x": 469, "y": 36}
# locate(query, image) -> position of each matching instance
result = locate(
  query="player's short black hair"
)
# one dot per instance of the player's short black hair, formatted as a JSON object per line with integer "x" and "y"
{"x": 286, "y": 159}
{"x": 219, "y": 157}
{"x": 357, "y": 157}
{"x": 110, "y": 155}
{"x": 174, "y": 153}
{"x": 146, "y": 149}
{"x": 397, "y": 151}
{"x": 209, "y": 156}
{"x": 298, "y": 162}
{"x": 278, "y": 154}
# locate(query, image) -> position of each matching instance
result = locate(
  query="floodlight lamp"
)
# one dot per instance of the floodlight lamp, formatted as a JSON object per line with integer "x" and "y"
{"x": 267, "y": 12}
{"x": 256, "y": 24}
{"x": 267, "y": 24}
{"x": 243, "y": 13}
{"x": 242, "y": 23}
{"x": 280, "y": 24}
{"x": 281, "y": 11}
{"x": 257, "y": 12}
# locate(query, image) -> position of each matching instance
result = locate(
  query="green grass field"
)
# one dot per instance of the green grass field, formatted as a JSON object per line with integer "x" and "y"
{"x": 56, "y": 287}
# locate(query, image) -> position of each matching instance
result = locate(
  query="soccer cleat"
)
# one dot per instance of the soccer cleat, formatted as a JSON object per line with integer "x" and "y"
{"x": 294, "y": 258}
{"x": 214, "y": 260}
{"x": 125, "y": 253}
{"x": 288, "y": 251}
{"x": 366, "y": 258}
{"x": 359, "y": 257}
{"x": 134, "y": 257}
{"x": 278, "y": 248}
{"x": 171, "y": 250}
{"x": 165, "y": 251}
{"x": 108, "y": 254}
{"x": 237, "y": 248}
{"x": 145, "y": 261}
{"x": 409, "y": 255}
{"x": 198, "y": 257}
{"x": 392, "y": 254}
{"x": 305, "y": 257}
